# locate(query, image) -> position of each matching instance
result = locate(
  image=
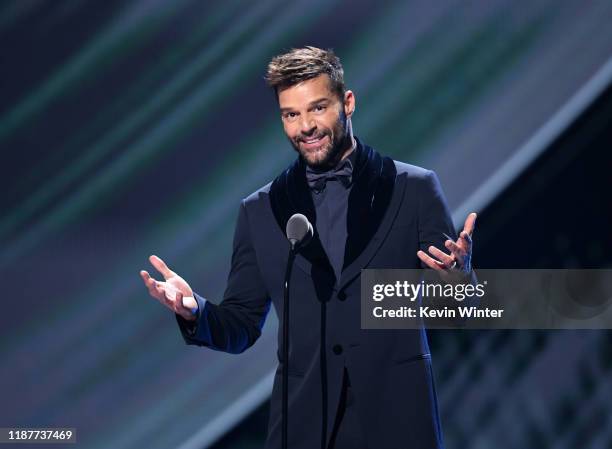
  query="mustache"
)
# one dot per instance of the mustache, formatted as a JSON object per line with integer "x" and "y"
{"x": 303, "y": 138}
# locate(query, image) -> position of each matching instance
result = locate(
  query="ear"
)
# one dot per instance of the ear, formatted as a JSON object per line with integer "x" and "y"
{"x": 349, "y": 103}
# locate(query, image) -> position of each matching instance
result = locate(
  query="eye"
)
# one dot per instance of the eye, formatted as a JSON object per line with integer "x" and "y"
{"x": 320, "y": 108}
{"x": 289, "y": 116}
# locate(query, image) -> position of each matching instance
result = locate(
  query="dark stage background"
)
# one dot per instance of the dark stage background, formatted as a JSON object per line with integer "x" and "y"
{"x": 129, "y": 128}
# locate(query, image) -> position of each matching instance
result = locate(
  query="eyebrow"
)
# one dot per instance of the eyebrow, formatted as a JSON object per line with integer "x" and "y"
{"x": 312, "y": 103}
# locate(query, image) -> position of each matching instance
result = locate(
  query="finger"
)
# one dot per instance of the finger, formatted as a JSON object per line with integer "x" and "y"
{"x": 170, "y": 290}
{"x": 470, "y": 223}
{"x": 457, "y": 251}
{"x": 168, "y": 299}
{"x": 180, "y": 307}
{"x": 446, "y": 259}
{"x": 161, "y": 266}
{"x": 178, "y": 303}
{"x": 190, "y": 303}
{"x": 158, "y": 289}
{"x": 429, "y": 261}
{"x": 145, "y": 276}
{"x": 148, "y": 280}
{"x": 465, "y": 240}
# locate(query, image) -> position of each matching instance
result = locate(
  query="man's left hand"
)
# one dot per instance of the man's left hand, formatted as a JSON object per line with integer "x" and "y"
{"x": 460, "y": 257}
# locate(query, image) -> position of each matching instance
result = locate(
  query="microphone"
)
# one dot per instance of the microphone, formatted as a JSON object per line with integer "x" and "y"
{"x": 299, "y": 231}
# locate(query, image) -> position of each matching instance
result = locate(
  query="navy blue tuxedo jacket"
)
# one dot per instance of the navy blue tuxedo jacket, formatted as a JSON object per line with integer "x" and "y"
{"x": 394, "y": 210}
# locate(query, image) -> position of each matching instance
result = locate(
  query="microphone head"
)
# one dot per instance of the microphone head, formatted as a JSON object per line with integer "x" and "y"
{"x": 299, "y": 230}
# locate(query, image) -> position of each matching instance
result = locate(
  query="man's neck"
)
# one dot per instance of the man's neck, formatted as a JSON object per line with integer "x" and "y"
{"x": 349, "y": 150}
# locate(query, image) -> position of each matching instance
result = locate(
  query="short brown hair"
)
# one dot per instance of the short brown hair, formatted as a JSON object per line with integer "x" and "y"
{"x": 301, "y": 64}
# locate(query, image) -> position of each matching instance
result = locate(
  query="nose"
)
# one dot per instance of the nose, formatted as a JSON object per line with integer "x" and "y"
{"x": 307, "y": 125}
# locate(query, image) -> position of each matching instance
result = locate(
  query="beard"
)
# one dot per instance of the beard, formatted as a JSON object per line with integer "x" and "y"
{"x": 334, "y": 142}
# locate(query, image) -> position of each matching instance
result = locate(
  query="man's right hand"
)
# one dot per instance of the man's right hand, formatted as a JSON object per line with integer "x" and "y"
{"x": 174, "y": 293}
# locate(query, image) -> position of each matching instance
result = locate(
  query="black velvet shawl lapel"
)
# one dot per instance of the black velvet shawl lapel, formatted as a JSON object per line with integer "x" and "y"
{"x": 290, "y": 194}
{"x": 373, "y": 207}
{"x": 373, "y": 182}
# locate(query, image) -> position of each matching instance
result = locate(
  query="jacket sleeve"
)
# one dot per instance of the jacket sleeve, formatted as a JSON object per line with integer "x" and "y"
{"x": 234, "y": 324}
{"x": 434, "y": 215}
{"x": 434, "y": 220}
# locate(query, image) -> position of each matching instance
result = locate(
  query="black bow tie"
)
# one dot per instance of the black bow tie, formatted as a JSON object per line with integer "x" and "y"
{"x": 343, "y": 172}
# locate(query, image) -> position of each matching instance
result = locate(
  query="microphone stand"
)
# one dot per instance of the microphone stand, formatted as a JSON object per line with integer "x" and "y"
{"x": 285, "y": 378}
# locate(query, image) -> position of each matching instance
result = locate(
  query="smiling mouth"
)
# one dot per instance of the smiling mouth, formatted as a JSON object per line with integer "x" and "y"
{"x": 311, "y": 143}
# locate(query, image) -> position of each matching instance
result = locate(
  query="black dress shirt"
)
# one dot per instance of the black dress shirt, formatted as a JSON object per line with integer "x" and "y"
{"x": 331, "y": 206}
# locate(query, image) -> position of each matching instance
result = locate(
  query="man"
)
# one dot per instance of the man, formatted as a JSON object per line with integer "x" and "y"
{"x": 348, "y": 387}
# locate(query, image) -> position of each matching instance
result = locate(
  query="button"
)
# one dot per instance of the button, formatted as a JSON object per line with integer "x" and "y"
{"x": 337, "y": 349}
{"x": 342, "y": 296}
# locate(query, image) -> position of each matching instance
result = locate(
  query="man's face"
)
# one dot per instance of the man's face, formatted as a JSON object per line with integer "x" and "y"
{"x": 315, "y": 121}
